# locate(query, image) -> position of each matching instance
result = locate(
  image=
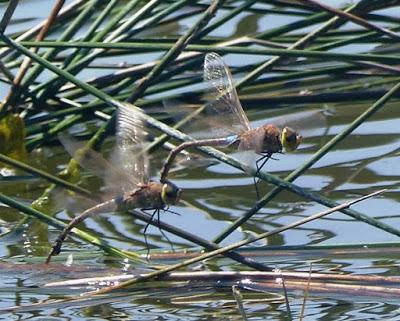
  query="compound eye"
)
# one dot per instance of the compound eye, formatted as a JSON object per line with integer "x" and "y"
{"x": 290, "y": 135}
{"x": 290, "y": 139}
{"x": 170, "y": 193}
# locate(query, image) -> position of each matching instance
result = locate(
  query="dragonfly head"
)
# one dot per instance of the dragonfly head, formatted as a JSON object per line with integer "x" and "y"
{"x": 290, "y": 139}
{"x": 170, "y": 193}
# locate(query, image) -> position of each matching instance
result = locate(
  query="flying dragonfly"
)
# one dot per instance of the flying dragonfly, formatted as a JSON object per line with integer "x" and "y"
{"x": 224, "y": 123}
{"x": 127, "y": 173}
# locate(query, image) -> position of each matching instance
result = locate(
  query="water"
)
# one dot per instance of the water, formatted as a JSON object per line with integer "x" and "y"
{"x": 365, "y": 161}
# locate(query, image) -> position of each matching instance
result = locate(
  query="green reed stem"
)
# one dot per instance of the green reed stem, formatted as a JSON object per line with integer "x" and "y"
{"x": 322, "y": 151}
{"x": 231, "y": 13}
{"x": 291, "y": 27}
{"x": 83, "y": 58}
{"x": 223, "y": 50}
{"x": 361, "y": 84}
{"x": 51, "y": 178}
{"x": 60, "y": 225}
{"x": 353, "y": 18}
{"x": 88, "y": 88}
{"x": 107, "y": 11}
{"x": 214, "y": 153}
{"x": 200, "y": 241}
{"x": 71, "y": 111}
{"x": 365, "y": 37}
{"x": 275, "y": 11}
{"x": 117, "y": 35}
{"x": 62, "y": 125}
{"x": 297, "y": 45}
{"x": 175, "y": 50}
{"x": 36, "y": 70}
{"x": 296, "y": 99}
{"x": 7, "y": 15}
{"x": 231, "y": 247}
{"x": 64, "y": 13}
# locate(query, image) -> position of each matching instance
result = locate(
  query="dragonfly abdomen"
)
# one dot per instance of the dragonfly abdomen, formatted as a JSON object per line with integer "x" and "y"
{"x": 110, "y": 205}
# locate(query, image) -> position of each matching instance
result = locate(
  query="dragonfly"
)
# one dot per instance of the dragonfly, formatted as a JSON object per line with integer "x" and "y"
{"x": 224, "y": 123}
{"x": 127, "y": 173}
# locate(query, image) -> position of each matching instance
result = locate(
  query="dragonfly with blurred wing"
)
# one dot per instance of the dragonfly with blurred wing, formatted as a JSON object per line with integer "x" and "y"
{"x": 222, "y": 122}
{"x": 127, "y": 174}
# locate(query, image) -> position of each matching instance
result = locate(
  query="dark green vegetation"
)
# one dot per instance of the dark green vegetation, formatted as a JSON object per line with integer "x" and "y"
{"x": 73, "y": 73}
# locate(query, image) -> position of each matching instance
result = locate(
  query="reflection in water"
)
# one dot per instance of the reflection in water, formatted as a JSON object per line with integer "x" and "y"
{"x": 359, "y": 164}
{"x": 216, "y": 195}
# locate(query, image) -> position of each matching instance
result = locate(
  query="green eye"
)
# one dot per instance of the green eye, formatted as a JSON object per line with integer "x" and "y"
{"x": 170, "y": 194}
{"x": 169, "y": 191}
{"x": 290, "y": 139}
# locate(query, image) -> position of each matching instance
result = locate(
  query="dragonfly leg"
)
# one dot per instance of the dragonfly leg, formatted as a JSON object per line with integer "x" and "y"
{"x": 145, "y": 230}
{"x": 170, "y": 211}
{"x": 273, "y": 158}
{"x": 158, "y": 223}
{"x": 263, "y": 160}
{"x": 163, "y": 233}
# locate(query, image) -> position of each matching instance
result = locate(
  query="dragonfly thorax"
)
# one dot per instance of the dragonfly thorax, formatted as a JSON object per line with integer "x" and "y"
{"x": 262, "y": 140}
{"x": 271, "y": 141}
{"x": 153, "y": 195}
{"x": 146, "y": 196}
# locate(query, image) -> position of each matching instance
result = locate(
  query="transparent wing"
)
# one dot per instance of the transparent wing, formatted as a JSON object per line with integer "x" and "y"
{"x": 248, "y": 159}
{"x": 95, "y": 163}
{"x": 223, "y": 114}
{"x": 129, "y": 154}
{"x": 223, "y": 99}
{"x": 249, "y": 149}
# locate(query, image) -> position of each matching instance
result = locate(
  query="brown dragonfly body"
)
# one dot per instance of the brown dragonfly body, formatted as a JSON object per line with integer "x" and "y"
{"x": 269, "y": 144}
{"x": 224, "y": 119}
{"x": 264, "y": 140}
{"x": 153, "y": 195}
{"x": 230, "y": 125}
{"x": 129, "y": 174}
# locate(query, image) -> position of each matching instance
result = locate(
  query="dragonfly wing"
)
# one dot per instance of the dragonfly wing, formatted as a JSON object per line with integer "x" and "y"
{"x": 250, "y": 145}
{"x": 247, "y": 159}
{"x": 200, "y": 122}
{"x": 130, "y": 153}
{"x": 222, "y": 115}
{"x": 223, "y": 99}
{"x": 92, "y": 161}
